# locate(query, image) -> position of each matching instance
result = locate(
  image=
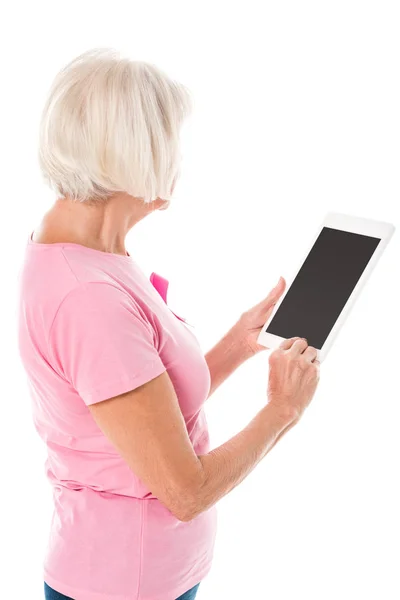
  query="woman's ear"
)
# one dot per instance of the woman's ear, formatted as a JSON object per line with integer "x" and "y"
{"x": 161, "y": 204}
{"x": 158, "y": 204}
{"x": 165, "y": 205}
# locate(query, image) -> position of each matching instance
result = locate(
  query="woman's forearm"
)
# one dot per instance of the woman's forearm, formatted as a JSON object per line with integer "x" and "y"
{"x": 225, "y": 357}
{"x": 229, "y": 464}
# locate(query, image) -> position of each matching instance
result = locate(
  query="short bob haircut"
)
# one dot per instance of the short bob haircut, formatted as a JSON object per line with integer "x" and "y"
{"x": 111, "y": 124}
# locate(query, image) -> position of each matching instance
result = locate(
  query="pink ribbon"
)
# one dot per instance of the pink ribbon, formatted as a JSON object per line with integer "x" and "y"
{"x": 161, "y": 285}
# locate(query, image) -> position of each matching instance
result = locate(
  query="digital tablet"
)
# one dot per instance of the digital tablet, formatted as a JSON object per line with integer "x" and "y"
{"x": 317, "y": 302}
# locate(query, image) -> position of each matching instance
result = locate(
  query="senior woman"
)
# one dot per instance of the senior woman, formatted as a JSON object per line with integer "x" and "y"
{"x": 117, "y": 380}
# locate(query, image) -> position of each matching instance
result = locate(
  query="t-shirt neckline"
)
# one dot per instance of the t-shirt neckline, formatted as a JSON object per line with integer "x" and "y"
{"x": 88, "y": 249}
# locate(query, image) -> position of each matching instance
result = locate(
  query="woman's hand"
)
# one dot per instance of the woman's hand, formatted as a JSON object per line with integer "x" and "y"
{"x": 250, "y": 323}
{"x": 293, "y": 376}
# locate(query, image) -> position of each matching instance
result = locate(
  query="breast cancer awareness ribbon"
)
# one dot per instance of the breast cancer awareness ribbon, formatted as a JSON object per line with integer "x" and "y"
{"x": 161, "y": 285}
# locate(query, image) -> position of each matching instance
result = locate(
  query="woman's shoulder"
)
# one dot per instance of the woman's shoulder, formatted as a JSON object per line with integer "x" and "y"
{"x": 55, "y": 276}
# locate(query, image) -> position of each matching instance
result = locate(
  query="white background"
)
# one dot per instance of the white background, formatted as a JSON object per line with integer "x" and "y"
{"x": 297, "y": 112}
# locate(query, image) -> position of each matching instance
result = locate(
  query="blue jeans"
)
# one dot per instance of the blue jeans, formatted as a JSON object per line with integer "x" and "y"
{"x": 51, "y": 594}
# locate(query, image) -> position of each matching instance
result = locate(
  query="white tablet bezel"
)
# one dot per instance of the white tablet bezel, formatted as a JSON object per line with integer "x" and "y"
{"x": 343, "y": 222}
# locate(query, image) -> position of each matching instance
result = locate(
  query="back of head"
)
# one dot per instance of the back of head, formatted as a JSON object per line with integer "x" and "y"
{"x": 111, "y": 124}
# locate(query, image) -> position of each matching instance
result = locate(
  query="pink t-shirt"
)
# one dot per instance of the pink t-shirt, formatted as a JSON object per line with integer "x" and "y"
{"x": 92, "y": 326}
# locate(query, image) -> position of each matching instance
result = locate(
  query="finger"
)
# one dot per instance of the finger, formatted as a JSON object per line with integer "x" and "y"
{"x": 277, "y": 291}
{"x": 298, "y": 347}
{"x": 286, "y": 344}
{"x": 310, "y": 354}
{"x": 274, "y": 295}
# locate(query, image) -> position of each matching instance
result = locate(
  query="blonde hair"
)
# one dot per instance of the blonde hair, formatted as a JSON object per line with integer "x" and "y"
{"x": 111, "y": 124}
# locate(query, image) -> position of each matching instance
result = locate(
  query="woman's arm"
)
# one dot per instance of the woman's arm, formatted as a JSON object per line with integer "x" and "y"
{"x": 240, "y": 343}
{"x": 226, "y": 356}
{"x": 147, "y": 428}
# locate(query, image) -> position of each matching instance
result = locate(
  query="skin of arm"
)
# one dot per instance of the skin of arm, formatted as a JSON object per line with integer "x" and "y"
{"x": 240, "y": 343}
{"x": 226, "y": 356}
{"x": 228, "y": 465}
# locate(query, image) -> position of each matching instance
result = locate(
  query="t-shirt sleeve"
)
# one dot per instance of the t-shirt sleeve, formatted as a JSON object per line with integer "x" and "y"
{"x": 102, "y": 343}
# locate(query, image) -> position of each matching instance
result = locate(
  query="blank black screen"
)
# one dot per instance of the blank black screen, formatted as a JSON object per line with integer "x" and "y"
{"x": 325, "y": 281}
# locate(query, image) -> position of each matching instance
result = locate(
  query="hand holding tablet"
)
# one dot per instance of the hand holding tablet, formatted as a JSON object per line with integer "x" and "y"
{"x": 318, "y": 301}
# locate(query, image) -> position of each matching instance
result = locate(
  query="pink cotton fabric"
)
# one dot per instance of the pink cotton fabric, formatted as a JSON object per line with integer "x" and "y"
{"x": 92, "y": 326}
